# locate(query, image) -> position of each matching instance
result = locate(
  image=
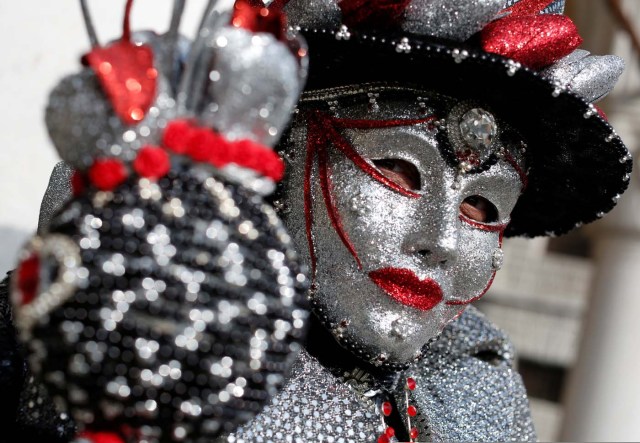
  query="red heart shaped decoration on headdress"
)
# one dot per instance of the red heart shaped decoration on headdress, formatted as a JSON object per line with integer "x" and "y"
{"x": 535, "y": 41}
{"x": 127, "y": 76}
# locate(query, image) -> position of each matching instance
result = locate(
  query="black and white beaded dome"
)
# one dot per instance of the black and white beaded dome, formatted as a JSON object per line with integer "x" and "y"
{"x": 170, "y": 311}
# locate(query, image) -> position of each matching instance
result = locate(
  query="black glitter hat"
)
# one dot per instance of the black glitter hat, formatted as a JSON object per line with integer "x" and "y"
{"x": 577, "y": 165}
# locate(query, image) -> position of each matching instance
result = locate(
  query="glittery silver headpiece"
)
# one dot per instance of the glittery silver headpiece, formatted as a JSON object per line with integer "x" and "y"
{"x": 164, "y": 302}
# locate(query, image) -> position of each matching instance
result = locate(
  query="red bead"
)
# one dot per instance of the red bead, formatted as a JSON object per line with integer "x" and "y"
{"x": 387, "y": 408}
{"x": 413, "y": 434}
{"x": 390, "y": 432}
{"x": 176, "y": 135}
{"x": 383, "y": 439}
{"x": 412, "y": 411}
{"x": 107, "y": 174}
{"x": 29, "y": 279}
{"x": 152, "y": 162}
{"x": 411, "y": 383}
{"x": 200, "y": 144}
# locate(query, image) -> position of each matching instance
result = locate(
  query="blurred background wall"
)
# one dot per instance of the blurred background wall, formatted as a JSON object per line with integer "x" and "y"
{"x": 571, "y": 304}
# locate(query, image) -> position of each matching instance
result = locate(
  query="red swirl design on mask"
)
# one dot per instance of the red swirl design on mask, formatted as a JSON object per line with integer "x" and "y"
{"x": 404, "y": 286}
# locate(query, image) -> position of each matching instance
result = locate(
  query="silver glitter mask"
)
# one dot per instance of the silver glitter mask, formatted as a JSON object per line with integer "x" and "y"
{"x": 392, "y": 266}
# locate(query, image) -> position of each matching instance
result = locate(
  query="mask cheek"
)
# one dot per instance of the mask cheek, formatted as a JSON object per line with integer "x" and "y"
{"x": 473, "y": 272}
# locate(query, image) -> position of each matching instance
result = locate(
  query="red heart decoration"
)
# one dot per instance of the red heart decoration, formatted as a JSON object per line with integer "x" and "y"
{"x": 127, "y": 76}
{"x": 535, "y": 41}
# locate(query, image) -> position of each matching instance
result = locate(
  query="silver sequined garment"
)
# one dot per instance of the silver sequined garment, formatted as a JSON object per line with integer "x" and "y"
{"x": 467, "y": 390}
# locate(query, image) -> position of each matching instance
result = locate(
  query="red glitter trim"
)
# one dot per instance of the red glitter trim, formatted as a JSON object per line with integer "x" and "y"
{"x": 523, "y": 175}
{"x": 204, "y": 145}
{"x": 29, "y": 279}
{"x": 106, "y": 174}
{"x": 477, "y": 297}
{"x": 152, "y": 162}
{"x": 483, "y": 226}
{"x": 601, "y": 113}
{"x": 325, "y": 185}
{"x": 484, "y": 291}
{"x": 328, "y": 124}
{"x": 404, "y": 286}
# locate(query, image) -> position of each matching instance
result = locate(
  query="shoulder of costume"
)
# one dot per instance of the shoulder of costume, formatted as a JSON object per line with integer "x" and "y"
{"x": 472, "y": 335}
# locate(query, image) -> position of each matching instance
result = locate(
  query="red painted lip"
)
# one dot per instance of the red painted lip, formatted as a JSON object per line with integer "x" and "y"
{"x": 405, "y": 287}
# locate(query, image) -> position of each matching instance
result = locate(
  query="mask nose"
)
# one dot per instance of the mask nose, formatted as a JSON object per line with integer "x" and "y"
{"x": 444, "y": 252}
{"x": 436, "y": 239}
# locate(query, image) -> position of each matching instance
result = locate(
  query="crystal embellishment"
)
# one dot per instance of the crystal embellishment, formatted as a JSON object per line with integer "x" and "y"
{"x": 478, "y": 128}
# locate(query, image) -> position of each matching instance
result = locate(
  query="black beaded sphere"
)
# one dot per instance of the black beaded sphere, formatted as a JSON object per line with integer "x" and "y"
{"x": 162, "y": 311}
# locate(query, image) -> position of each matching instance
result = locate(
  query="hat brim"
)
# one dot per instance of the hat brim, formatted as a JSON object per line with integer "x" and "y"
{"x": 578, "y": 166}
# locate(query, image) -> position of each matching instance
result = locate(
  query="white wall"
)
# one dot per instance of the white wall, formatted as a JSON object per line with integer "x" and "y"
{"x": 41, "y": 41}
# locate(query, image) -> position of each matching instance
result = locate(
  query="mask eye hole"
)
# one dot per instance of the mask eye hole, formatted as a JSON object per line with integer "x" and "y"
{"x": 479, "y": 209}
{"x": 400, "y": 172}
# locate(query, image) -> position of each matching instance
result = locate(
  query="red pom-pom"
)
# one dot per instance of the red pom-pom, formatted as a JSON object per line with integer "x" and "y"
{"x": 535, "y": 41}
{"x": 152, "y": 162}
{"x": 176, "y": 136}
{"x": 221, "y": 153}
{"x": 102, "y": 437}
{"x": 77, "y": 183}
{"x": 28, "y": 279}
{"x": 107, "y": 174}
{"x": 200, "y": 144}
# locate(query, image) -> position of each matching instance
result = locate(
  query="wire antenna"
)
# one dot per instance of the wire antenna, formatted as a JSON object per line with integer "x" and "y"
{"x": 91, "y": 31}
